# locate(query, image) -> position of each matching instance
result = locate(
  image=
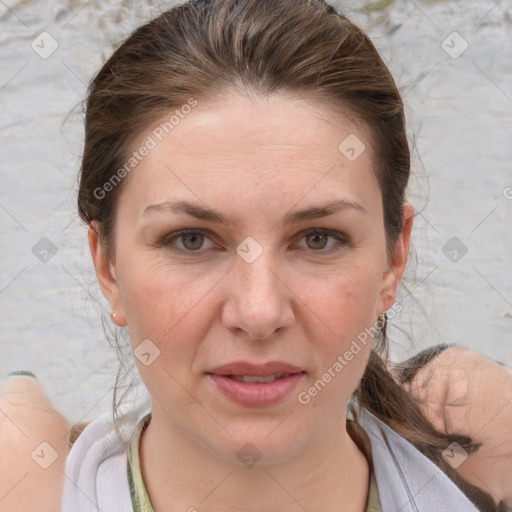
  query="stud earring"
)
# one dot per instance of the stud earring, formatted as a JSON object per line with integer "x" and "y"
{"x": 114, "y": 319}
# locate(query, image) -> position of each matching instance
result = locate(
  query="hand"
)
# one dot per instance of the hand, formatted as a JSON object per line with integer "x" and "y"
{"x": 31, "y": 473}
{"x": 463, "y": 392}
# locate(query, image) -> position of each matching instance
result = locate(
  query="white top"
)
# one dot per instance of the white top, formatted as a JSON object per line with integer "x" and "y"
{"x": 97, "y": 470}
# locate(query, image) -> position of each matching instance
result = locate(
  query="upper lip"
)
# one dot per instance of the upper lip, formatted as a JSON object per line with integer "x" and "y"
{"x": 254, "y": 370}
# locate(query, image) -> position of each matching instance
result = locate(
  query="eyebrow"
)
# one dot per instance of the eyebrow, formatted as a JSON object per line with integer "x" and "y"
{"x": 211, "y": 215}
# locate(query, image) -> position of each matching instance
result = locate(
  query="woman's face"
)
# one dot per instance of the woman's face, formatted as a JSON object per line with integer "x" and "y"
{"x": 260, "y": 287}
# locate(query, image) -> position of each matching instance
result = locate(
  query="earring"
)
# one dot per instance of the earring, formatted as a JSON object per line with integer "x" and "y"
{"x": 380, "y": 328}
{"x": 382, "y": 321}
{"x": 114, "y": 319}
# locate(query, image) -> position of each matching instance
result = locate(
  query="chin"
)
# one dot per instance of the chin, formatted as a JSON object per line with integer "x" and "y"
{"x": 263, "y": 442}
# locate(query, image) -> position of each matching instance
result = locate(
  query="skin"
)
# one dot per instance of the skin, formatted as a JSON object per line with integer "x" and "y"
{"x": 256, "y": 160}
{"x": 31, "y": 474}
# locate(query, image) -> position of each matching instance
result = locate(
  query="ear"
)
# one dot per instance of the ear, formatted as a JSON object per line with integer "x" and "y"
{"x": 397, "y": 263}
{"x": 105, "y": 272}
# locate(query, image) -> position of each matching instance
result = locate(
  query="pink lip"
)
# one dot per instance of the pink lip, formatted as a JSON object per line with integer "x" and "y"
{"x": 256, "y": 394}
{"x": 250, "y": 369}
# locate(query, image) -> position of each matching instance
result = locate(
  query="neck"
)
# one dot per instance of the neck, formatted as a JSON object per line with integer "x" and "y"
{"x": 182, "y": 475}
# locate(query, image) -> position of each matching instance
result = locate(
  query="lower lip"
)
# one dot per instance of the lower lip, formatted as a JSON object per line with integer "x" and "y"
{"x": 257, "y": 394}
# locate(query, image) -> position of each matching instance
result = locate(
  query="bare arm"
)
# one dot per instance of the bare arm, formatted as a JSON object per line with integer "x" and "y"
{"x": 34, "y": 445}
{"x": 463, "y": 392}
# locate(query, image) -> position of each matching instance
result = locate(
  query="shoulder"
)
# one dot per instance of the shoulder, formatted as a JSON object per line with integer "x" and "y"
{"x": 406, "y": 479}
{"x": 96, "y": 468}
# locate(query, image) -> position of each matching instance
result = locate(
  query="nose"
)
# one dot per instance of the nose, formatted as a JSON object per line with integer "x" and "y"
{"x": 259, "y": 302}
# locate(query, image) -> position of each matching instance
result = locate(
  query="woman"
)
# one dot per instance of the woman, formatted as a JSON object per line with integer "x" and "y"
{"x": 224, "y": 141}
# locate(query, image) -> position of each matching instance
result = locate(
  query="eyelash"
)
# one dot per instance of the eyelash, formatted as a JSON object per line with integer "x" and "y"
{"x": 167, "y": 240}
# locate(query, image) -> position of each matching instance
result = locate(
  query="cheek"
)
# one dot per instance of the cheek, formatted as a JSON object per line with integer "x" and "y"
{"x": 344, "y": 309}
{"x": 159, "y": 299}
{"x": 345, "y": 302}
{"x": 165, "y": 318}
{"x": 347, "y": 307}
{"x": 173, "y": 309}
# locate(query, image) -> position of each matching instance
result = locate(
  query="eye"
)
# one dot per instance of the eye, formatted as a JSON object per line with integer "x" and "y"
{"x": 191, "y": 240}
{"x": 318, "y": 240}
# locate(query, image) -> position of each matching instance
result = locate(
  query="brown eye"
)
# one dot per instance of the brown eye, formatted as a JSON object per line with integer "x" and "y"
{"x": 318, "y": 240}
{"x": 187, "y": 242}
{"x": 192, "y": 241}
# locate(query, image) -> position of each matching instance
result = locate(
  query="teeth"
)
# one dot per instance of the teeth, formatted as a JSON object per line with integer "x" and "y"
{"x": 251, "y": 378}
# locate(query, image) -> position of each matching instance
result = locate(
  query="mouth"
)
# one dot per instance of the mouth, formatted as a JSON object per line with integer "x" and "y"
{"x": 260, "y": 387}
{"x": 250, "y": 379}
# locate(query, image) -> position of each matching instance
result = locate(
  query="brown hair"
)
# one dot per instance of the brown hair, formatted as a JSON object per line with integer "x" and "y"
{"x": 202, "y": 48}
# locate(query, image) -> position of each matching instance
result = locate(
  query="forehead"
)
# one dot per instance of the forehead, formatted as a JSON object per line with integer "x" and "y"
{"x": 284, "y": 122}
{"x": 278, "y": 147}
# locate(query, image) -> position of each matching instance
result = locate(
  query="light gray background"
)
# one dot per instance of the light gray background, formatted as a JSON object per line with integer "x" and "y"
{"x": 459, "y": 115}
